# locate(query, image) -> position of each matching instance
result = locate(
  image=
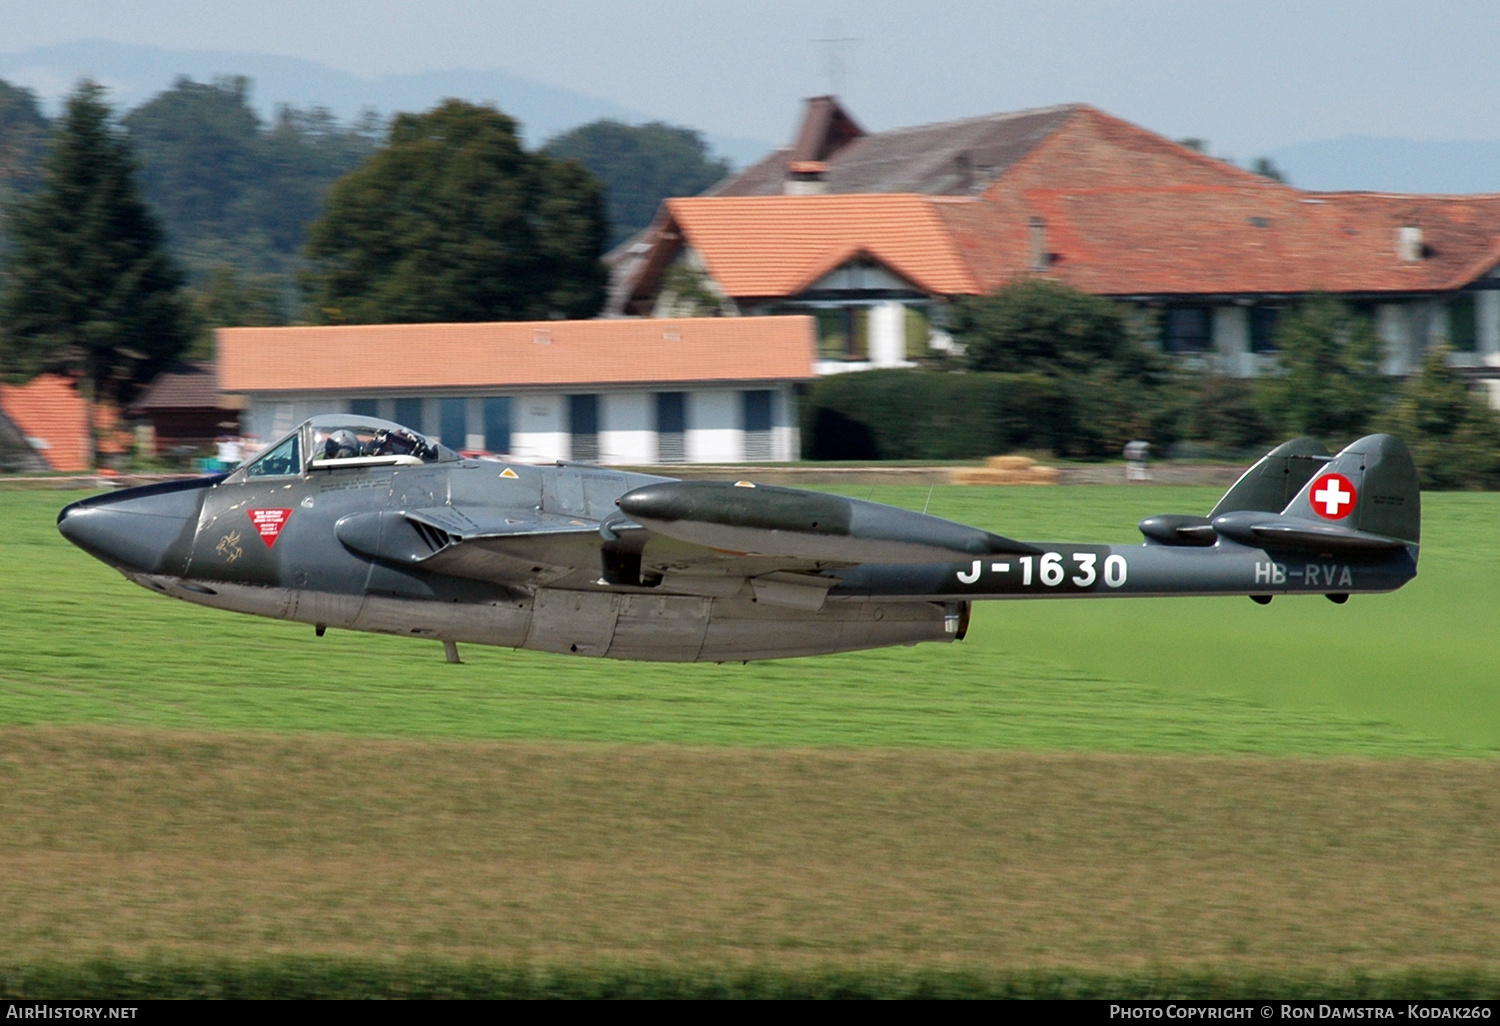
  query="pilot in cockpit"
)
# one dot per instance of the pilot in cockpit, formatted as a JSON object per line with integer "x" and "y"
{"x": 342, "y": 444}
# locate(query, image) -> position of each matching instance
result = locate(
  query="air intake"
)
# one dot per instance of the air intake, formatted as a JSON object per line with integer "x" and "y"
{"x": 434, "y": 538}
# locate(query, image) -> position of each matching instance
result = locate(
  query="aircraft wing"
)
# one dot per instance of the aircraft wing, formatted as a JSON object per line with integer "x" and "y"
{"x": 694, "y": 537}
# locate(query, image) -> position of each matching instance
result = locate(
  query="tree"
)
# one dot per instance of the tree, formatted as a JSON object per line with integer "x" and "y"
{"x": 1266, "y": 168}
{"x": 1035, "y": 324}
{"x": 1329, "y": 385}
{"x": 1453, "y": 435}
{"x": 640, "y": 165}
{"x": 197, "y": 149}
{"x": 1222, "y": 411}
{"x": 90, "y": 289}
{"x": 1114, "y": 388}
{"x": 453, "y": 221}
{"x": 229, "y": 189}
{"x": 23, "y": 140}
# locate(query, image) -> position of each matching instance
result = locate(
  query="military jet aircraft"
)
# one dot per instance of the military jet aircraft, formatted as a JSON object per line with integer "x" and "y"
{"x": 365, "y": 525}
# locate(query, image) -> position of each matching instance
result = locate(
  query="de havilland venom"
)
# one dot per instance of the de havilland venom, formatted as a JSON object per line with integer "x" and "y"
{"x": 366, "y": 525}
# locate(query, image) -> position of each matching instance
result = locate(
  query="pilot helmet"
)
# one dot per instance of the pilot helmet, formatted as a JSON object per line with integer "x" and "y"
{"x": 342, "y": 444}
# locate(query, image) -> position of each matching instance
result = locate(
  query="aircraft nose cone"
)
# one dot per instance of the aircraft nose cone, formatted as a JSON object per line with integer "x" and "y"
{"x": 148, "y": 530}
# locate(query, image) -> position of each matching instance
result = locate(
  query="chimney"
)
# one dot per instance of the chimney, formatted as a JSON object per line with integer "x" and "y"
{"x": 1409, "y": 246}
{"x": 1039, "y": 259}
{"x": 806, "y": 178}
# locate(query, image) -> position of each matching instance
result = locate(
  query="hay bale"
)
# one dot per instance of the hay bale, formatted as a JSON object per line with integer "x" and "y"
{"x": 1031, "y": 474}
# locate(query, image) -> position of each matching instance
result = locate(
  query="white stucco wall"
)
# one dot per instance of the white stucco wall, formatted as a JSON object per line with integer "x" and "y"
{"x": 888, "y": 335}
{"x": 1231, "y": 338}
{"x": 474, "y": 424}
{"x": 538, "y": 427}
{"x": 1487, "y": 326}
{"x": 714, "y": 433}
{"x": 627, "y": 428}
{"x": 786, "y": 432}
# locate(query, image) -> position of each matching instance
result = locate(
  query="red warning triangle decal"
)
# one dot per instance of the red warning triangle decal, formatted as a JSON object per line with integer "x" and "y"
{"x": 269, "y": 522}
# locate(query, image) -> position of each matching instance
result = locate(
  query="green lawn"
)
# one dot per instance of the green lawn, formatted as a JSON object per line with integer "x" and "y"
{"x": 1413, "y": 673}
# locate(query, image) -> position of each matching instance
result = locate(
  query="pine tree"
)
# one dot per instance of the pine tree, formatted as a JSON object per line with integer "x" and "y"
{"x": 89, "y": 288}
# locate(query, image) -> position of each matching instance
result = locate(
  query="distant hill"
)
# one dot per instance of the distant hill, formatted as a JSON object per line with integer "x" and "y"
{"x": 1392, "y": 165}
{"x": 136, "y": 73}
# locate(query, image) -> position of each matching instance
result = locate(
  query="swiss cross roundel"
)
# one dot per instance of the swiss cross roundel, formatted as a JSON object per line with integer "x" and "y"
{"x": 1332, "y": 496}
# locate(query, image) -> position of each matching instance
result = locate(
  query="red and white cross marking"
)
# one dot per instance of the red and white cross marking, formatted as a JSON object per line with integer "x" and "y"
{"x": 268, "y": 523}
{"x": 1333, "y": 496}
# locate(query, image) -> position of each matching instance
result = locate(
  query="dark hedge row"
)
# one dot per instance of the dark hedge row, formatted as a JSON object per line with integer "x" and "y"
{"x": 931, "y": 415}
{"x": 921, "y": 415}
{"x": 321, "y": 978}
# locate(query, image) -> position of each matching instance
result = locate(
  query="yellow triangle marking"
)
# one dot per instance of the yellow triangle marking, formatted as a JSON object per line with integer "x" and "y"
{"x": 507, "y": 472}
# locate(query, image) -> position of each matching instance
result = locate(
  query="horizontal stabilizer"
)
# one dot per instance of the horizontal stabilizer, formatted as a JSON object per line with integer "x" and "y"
{"x": 764, "y": 520}
{"x": 1249, "y": 527}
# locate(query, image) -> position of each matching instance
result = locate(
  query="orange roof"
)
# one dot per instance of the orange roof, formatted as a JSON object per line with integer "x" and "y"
{"x": 50, "y": 413}
{"x": 780, "y": 245}
{"x": 516, "y": 354}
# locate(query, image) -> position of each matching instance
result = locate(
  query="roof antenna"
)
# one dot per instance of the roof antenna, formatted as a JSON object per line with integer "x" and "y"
{"x": 930, "y": 487}
{"x": 836, "y": 64}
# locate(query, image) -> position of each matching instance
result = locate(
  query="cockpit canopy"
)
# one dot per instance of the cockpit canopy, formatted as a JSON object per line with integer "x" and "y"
{"x": 334, "y": 441}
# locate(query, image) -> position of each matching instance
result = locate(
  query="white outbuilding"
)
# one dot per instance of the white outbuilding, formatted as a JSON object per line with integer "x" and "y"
{"x": 612, "y": 391}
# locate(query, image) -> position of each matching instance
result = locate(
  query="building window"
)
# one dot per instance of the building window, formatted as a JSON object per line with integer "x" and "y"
{"x": 453, "y": 428}
{"x": 497, "y": 424}
{"x": 918, "y": 333}
{"x": 1263, "y": 328}
{"x": 1463, "y": 335}
{"x": 756, "y": 409}
{"x": 409, "y": 414}
{"x": 671, "y": 427}
{"x": 583, "y": 426}
{"x": 364, "y": 407}
{"x": 1187, "y": 329}
{"x": 843, "y": 333}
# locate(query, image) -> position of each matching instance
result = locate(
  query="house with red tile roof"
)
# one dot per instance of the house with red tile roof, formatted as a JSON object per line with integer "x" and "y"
{"x": 872, "y": 233}
{"x": 621, "y": 391}
{"x": 54, "y": 419}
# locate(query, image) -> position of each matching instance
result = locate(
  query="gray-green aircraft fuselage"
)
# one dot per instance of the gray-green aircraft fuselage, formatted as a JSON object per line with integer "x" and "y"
{"x": 364, "y": 525}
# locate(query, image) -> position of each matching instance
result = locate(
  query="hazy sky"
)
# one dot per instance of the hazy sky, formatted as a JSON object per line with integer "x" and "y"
{"x": 1249, "y": 75}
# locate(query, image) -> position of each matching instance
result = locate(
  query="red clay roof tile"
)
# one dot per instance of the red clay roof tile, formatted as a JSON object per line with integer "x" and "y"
{"x": 49, "y": 411}
{"x": 779, "y": 245}
{"x": 516, "y": 354}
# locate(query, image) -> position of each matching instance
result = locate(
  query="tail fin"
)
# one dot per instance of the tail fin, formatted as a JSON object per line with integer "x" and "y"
{"x": 1272, "y": 483}
{"x": 1370, "y": 487}
{"x": 1365, "y": 499}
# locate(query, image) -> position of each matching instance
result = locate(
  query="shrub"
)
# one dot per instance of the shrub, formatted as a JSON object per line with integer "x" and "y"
{"x": 930, "y": 415}
{"x": 1453, "y": 435}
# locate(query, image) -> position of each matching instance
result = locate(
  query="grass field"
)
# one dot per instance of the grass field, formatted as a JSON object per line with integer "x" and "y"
{"x": 1410, "y": 673}
{"x": 1115, "y": 788}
